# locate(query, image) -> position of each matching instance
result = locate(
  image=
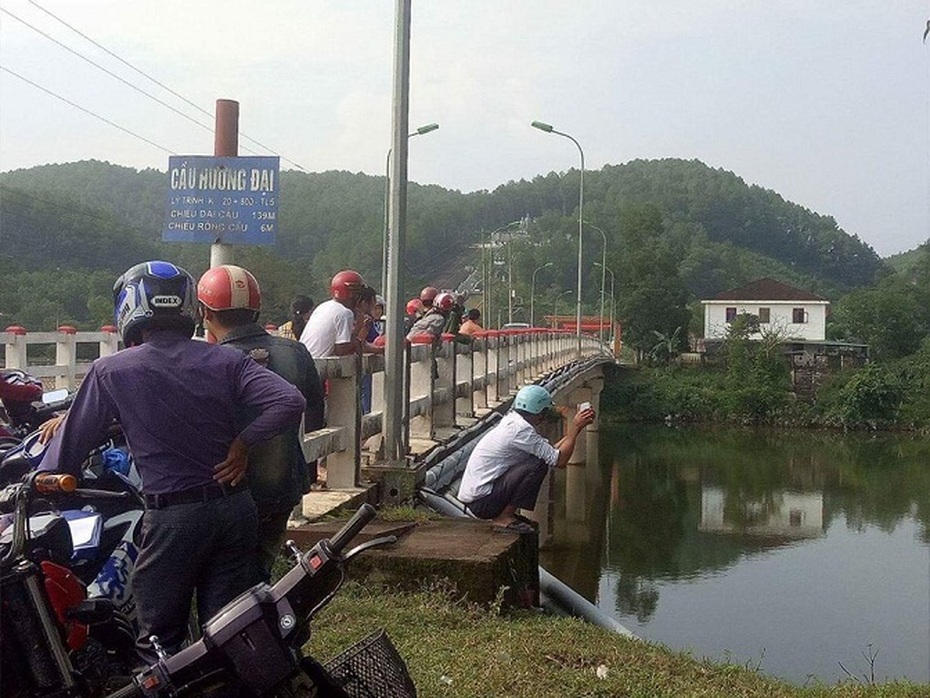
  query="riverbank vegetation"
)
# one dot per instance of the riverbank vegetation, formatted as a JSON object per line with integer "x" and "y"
{"x": 748, "y": 381}
{"x": 453, "y": 648}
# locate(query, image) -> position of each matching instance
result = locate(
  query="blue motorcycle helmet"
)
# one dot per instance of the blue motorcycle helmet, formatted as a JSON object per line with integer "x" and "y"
{"x": 154, "y": 294}
{"x": 533, "y": 399}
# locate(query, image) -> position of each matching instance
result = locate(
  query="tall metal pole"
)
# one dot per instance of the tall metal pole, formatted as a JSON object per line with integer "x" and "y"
{"x": 600, "y": 322}
{"x": 394, "y": 346}
{"x": 385, "y": 238}
{"x": 225, "y": 144}
{"x": 510, "y": 279}
{"x": 533, "y": 294}
{"x": 549, "y": 129}
{"x": 555, "y": 308}
{"x": 613, "y": 298}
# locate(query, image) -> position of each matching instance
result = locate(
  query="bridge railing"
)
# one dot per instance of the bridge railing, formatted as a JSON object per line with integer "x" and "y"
{"x": 446, "y": 383}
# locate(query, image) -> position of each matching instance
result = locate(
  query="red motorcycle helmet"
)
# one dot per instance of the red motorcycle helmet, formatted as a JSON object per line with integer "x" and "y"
{"x": 428, "y": 294}
{"x": 346, "y": 286}
{"x": 414, "y": 306}
{"x": 228, "y": 287}
{"x": 444, "y": 302}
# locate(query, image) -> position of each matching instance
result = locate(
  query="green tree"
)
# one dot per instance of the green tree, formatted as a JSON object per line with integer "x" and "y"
{"x": 653, "y": 298}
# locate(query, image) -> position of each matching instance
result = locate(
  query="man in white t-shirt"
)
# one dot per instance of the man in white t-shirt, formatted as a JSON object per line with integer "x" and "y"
{"x": 507, "y": 467}
{"x": 330, "y": 330}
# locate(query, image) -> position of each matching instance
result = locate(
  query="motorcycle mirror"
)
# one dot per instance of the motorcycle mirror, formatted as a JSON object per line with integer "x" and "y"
{"x": 54, "y": 396}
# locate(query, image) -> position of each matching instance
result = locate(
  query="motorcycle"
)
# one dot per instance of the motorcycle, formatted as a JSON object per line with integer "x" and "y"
{"x": 14, "y": 430}
{"x": 111, "y": 527}
{"x": 54, "y": 639}
{"x": 252, "y": 646}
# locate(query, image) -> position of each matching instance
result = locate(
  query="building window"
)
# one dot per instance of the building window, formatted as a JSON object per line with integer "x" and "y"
{"x": 731, "y": 314}
{"x": 764, "y": 315}
{"x": 798, "y": 316}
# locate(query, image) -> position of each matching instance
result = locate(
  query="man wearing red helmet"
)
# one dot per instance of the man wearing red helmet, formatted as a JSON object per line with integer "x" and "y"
{"x": 330, "y": 331}
{"x": 434, "y": 319}
{"x": 278, "y": 474}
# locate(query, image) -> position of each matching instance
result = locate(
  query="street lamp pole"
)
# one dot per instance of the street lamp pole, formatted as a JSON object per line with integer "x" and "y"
{"x": 600, "y": 323}
{"x": 549, "y": 129}
{"x": 533, "y": 294}
{"x": 395, "y": 435}
{"x": 555, "y": 308}
{"x": 613, "y": 298}
{"x": 387, "y": 195}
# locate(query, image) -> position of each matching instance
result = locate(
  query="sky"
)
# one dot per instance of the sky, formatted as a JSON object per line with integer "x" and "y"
{"x": 827, "y": 103}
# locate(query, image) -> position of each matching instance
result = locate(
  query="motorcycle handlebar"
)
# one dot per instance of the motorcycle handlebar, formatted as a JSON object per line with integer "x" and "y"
{"x": 46, "y": 483}
{"x": 344, "y": 536}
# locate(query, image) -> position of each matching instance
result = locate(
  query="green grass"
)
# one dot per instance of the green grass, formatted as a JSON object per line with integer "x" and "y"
{"x": 453, "y": 648}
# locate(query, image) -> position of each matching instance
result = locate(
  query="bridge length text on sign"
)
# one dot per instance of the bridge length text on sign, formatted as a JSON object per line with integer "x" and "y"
{"x": 222, "y": 199}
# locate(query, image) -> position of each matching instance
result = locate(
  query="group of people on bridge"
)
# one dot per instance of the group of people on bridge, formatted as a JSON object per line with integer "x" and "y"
{"x": 215, "y": 428}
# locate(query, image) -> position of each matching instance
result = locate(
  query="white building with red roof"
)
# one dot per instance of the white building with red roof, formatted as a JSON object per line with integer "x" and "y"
{"x": 791, "y": 312}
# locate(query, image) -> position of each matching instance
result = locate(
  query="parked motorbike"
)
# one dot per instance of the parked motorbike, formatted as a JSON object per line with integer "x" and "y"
{"x": 111, "y": 527}
{"x": 54, "y": 640}
{"x": 252, "y": 646}
{"x": 15, "y": 429}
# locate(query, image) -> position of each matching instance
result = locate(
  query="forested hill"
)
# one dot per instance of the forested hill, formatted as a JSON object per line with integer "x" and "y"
{"x": 720, "y": 231}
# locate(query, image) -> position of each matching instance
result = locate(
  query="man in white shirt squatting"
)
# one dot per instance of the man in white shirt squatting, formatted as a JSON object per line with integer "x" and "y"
{"x": 506, "y": 469}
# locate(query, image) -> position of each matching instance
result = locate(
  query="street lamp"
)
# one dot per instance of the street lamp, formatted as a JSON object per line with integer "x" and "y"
{"x": 600, "y": 323}
{"x": 613, "y": 298}
{"x": 387, "y": 195}
{"x": 492, "y": 270}
{"x": 533, "y": 294}
{"x": 549, "y": 129}
{"x": 555, "y": 308}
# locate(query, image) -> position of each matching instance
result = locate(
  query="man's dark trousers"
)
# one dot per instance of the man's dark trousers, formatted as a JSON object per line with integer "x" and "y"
{"x": 207, "y": 547}
{"x": 518, "y": 486}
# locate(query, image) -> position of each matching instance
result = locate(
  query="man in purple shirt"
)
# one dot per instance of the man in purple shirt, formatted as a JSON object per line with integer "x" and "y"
{"x": 177, "y": 400}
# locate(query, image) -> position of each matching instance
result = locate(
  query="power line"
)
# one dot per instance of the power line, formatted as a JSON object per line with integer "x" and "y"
{"x": 156, "y": 81}
{"x": 105, "y": 70}
{"x": 87, "y": 111}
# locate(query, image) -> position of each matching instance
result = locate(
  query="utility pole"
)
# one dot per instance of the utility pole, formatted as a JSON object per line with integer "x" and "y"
{"x": 225, "y": 144}
{"x": 393, "y": 423}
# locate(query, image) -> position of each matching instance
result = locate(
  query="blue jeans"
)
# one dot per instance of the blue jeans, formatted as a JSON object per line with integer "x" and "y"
{"x": 207, "y": 548}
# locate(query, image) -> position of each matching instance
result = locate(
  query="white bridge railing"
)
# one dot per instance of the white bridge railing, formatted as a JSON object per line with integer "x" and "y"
{"x": 446, "y": 383}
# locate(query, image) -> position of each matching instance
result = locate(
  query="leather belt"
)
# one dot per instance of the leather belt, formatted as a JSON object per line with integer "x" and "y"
{"x": 205, "y": 493}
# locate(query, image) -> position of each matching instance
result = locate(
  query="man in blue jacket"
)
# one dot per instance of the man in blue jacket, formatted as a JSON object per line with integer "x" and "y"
{"x": 178, "y": 401}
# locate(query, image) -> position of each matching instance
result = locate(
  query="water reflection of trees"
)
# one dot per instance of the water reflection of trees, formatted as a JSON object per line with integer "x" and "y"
{"x": 658, "y": 475}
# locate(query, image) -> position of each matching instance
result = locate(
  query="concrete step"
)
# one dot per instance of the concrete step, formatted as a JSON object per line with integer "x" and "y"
{"x": 477, "y": 559}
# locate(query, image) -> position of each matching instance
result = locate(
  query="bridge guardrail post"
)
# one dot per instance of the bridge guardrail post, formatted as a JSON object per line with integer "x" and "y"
{"x": 377, "y": 383}
{"x": 14, "y": 347}
{"x": 65, "y": 357}
{"x": 494, "y": 367}
{"x": 422, "y": 385}
{"x": 110, "y": 343}
{"x": 464, "y": 378}
{"x": 343, "y": 408}
{"x": 408, "y": 354}
{"x": 479, "y": 372}
{"x": 442, "y": 397}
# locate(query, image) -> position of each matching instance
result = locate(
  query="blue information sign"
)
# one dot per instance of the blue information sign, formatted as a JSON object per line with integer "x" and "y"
{"x": 216, "y": 199}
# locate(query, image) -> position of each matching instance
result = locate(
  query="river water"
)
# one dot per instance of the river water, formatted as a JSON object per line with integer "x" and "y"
{"x": 803, "y": 554}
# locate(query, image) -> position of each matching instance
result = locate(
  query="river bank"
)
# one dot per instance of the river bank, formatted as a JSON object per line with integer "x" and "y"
{"x": 453, "y": 648}
{"x": 892, "y": 397}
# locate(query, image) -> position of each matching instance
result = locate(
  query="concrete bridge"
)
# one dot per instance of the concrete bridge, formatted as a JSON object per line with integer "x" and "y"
{"x": 453, "y": 392}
